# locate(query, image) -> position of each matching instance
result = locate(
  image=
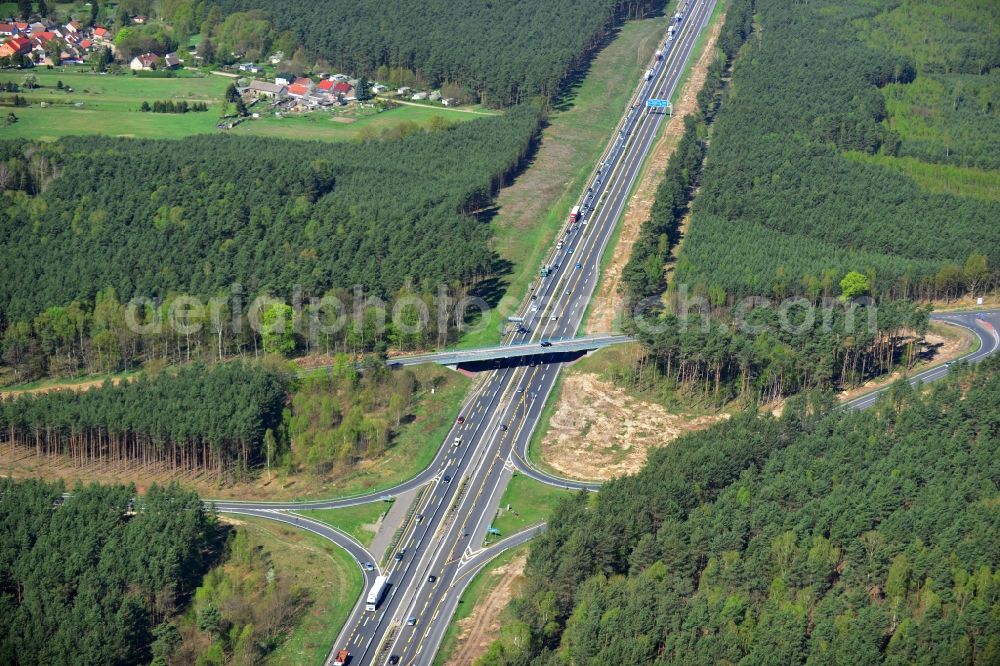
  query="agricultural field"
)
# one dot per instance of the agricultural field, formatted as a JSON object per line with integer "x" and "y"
{"x": 109, "y": 104}
{"x": 331, "y": 126}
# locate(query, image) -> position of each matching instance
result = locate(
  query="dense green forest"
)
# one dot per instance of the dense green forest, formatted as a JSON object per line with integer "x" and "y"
{"x": 199, "y": 418}
{"x": 86, "y": 224}
{"x": 501, "y": 53}
{"x": 823, "y": 536}
{"x": 92, "y": 578}
{"x": 949, "y": 113}
{"x": 780, "y": 206}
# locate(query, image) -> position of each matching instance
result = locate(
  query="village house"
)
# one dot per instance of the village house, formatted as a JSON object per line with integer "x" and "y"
{"x": 306, "y": 82}
{"x": 171, "y": 61}
{"x": 73, "y": 27}
{"x": 343, "y": 88}
{"x": 102, "y": 35}
{"x": 258, "y": 89}
{"x": 449, "y": 101}
{"x": 6, "y": 29}
{"x": 297, "y": 90}
{"x": 144, "y": 62}
{"x": 12, "y": 47}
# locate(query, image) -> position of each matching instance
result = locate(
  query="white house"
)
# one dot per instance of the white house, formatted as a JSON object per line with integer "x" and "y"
{"x": 144, "y": 62}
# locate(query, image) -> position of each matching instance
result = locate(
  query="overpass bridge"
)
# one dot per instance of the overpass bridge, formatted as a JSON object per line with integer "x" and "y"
{"x": 566, "y": 346}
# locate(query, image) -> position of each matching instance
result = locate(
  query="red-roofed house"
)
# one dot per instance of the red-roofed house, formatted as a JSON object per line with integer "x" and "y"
{"x": 326, "y": 85}
{"x": 73, "y": 26}
{"x": 14, "y": 46}
{"x": 298, "y": 90}
{"x": 6, "y": 29}
{"x": 86, "y": 44}
{"x": 304, "y": 81}
{"x": 21, "y": 26}
{"x": 145, "y": 61}
{"x": 45, "y": 36}
{"x": 343, "y": 88}
{"x": 101, "y": 34}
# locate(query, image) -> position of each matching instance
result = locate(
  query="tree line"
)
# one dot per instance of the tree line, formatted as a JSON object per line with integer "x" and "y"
{"x": 758, "y": 358}
{"x": 169, "y": 106}
{"x": 822, "y": 536}
{"x": 779, "y": 206}
{"x": 343, "y": 415}
{"x": 92, "y": 577}
{"x": 502, "y": 54}
{"x": 198, "y": 420}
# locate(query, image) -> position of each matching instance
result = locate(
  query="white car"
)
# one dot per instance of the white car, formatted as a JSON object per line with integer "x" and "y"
{"x": 554, "y": 318}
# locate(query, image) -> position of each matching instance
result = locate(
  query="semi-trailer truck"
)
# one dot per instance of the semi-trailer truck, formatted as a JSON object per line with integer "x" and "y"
{"x": 375, "y": 594}
{"x": 574, "y": 215}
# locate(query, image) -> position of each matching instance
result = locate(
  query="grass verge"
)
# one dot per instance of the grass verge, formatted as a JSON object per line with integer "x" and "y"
{"x": 359, "y": 521}
{"x": 535, "y": 445}
{"x": 530, "y": 503}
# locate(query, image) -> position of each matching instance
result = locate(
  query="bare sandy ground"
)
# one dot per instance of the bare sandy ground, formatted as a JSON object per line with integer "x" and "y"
{"x": 599, "y": 431}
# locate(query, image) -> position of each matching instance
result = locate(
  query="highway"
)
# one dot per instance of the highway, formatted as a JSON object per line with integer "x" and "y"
{"x": 439, "y": 554}
{"x": 442, "y": 550}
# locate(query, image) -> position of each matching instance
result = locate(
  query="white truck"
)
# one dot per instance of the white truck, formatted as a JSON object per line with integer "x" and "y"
{"x": 375, "y": 593}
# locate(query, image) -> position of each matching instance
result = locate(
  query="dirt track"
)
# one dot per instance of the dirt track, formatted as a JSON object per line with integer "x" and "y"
{"x": 483, "y": 626}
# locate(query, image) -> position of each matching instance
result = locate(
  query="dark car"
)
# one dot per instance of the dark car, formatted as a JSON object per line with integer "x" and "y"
{"x": 432, "y": 579}
{"x": 446, "y": 478}
{"x": 394, "y": 659}
{"x": 461, "y": 420}
{"x": 503, "y": 427}
{"x": 546, "y": 343}
{"x": 399, "y": 555}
